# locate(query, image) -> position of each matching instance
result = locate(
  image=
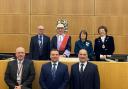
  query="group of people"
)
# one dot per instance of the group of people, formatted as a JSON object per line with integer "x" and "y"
{"x": 40, "y": 45}
{"x": 54, "y": 75}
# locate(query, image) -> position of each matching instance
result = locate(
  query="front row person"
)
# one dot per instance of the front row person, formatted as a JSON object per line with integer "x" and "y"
{"x": 84, "y": 75}
{"x": 20, "y": 72}
{"x": 54, "y": 74}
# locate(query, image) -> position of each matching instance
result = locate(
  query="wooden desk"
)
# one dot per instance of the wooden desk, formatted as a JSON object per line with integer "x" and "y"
{"x": 113, "y": 75}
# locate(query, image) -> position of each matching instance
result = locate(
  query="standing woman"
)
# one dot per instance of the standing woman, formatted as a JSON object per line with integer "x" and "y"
{"x": 104, "y": 44}
{"x": 83, "y": 43}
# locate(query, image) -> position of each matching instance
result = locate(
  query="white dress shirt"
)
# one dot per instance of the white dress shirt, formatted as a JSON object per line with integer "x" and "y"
{"x": 19, "y": 71}
{"x": 103, "y": 38}
{"x": 84, "y": 66}
{"x": 54, "y": 63}
{"x": 59, "y": 40}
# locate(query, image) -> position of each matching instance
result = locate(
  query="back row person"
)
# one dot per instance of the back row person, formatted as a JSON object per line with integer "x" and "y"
{"x": 40, "y": 44}
{"x": 84, "y": 43}
{"x": 104, "y": 44}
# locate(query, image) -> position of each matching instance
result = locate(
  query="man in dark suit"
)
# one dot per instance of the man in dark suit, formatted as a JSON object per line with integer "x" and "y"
{"x": 54, "y": 74}
{"x": 61, "y": 41}
{"x": 104, "y": 45}
{"x": 20, "y": 72}
{"x": 84, "y": 75}
{"x": 39, "y": 45}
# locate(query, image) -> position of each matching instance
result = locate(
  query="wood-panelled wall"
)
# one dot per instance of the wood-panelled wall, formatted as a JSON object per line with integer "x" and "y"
{"x": 20, "y": 18}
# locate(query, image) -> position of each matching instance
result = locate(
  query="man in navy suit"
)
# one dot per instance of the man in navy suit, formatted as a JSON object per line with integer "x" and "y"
{"x": 54, "y": 74}
{"x": 84, "y": 75}
{"x": 20, "y": 72}
{"x": 39, "y": 45}
{"x": 61, "y": 41}
{"x": 104, "y": 45}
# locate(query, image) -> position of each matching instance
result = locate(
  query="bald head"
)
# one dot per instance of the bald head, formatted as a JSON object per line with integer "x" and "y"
{"x": 83, "y": 55}
{"x": 40, "y": 29}
{"x": 20, "y": 53}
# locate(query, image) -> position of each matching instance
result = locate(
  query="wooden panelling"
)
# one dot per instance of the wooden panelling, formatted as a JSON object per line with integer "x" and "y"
{"x": 14, "y": 24}
{"x": 111, "y": 7}
{"x": 63, "y": 7}
{"x": 121, "y": 44}
{"x": 9, "y": 42}
{"x": 75, "y": 23}
{"x": 117, "y": 25}
{"x": 19, "y": 20}
{"x": 14, "y": 6}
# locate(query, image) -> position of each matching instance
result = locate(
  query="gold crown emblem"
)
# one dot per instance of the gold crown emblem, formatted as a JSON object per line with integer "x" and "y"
{"x": 64, "y": 22}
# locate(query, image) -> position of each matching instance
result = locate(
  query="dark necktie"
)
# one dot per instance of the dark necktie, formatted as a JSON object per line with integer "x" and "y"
{"x": 40, "y": 41}
{"x": 81, "y": 76}
{"x": 54, "y": 71}
{"x": 82, "y": 68}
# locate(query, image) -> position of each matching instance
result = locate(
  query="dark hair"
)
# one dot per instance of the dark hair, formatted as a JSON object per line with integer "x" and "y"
{"x": 84, "y": 32}
{"x": 54, "y": 49}
{"x": 103, "y": 27}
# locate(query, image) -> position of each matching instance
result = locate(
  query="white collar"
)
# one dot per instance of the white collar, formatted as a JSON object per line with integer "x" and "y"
{"x": 85, "y": 63}
{"x": 54, "y": 63}
{"x": 20, "y": 61}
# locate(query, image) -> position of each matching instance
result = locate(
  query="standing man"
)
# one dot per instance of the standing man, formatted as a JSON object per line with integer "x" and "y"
{"x": 61, "y": 41}
{"x": 20, "y": 72}
{"x": 54, "y": 75}
{"x": 84, "y": 75}
{"x": 40, "y": 45}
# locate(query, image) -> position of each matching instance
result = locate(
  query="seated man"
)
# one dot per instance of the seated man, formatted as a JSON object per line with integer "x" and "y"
{"x": 61, "y": 41}
{"x": 20, "y": 72}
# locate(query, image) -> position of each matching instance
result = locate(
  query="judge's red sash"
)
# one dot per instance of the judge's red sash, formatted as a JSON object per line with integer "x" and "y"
{"x": 64, "y": 43}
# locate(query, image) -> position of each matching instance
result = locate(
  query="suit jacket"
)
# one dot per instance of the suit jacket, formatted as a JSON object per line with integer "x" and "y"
{"x": 109, "y": 47}
{"x": 28, "y": 74}
{"x": 54, "y": 44}
{"x": 84, "y": 45}
{"x": 34, "y": 49}
{"x": 61, "y": 80}
{"x": 88, "y": 80}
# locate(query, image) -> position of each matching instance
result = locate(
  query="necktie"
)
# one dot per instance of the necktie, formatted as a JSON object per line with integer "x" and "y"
{"x": 54, "y": 71}
{"x": 19, "y": 72}
{"x": 82, "y": 76}
{"x": 82, "y": 68}
{"x": 40, "y": 41}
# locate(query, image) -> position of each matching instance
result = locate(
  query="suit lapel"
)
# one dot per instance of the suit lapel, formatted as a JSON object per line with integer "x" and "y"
{"x": 37, "y": 41}
{"x": 99, "y": 40}
{"x": 49, "y": 68}
{"x": 24, "y": 66}
{"x": 44, "y": 40}
{"x": 15, "y": 69}
{"x": 58, "y": 69}
{"x": 106, "y": 39}
{"x": 77, "y": 71}
{"x": 86, "y": 70}
{"x": 56, "y": 41}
